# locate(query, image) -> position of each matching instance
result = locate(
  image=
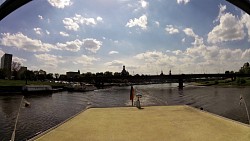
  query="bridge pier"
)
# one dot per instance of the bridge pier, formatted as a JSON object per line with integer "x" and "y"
{"x": 180, "y": 83}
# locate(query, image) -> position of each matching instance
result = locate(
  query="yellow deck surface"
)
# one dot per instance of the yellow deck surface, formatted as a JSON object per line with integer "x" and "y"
{"x": 156, "y": 123}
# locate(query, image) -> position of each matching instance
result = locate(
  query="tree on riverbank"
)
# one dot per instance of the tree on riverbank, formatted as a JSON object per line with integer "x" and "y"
{"x": 240, "y": 81}
{"x": 245, "y": 69}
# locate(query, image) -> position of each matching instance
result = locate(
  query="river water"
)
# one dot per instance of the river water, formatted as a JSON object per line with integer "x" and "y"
{"x": 48, "y": 111}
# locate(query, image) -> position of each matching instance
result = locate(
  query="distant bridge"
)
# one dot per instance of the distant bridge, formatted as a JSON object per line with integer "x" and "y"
{"x": 178, "y": 77}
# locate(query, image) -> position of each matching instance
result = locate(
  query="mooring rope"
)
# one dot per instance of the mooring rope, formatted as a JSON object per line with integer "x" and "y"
{"x": 14, "y": 131}
{"x": 242, "y": 99}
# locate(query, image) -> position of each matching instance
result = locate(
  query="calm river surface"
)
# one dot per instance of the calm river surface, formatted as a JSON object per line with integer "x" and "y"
{"x": 48, "y": 111}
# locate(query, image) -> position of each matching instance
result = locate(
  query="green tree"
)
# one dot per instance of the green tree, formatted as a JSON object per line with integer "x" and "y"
{"x": 57, "y": 75}
{"x": 99, "y": 74}
{"x": 49, "y": 76}
{"x": 108, "y": 74}
{"x": 245, "y": 69}
{"x": 15, "y": 66}
{"x": 40, "y": 77}
{"x": 240, "y": 81}
{"x": 28, "y": 74}
{"x": 117, "y": 74}
{"x": 88, "y": 74}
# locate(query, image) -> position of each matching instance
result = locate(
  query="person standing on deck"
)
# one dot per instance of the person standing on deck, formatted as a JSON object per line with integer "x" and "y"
{"x": 132, "y": 93}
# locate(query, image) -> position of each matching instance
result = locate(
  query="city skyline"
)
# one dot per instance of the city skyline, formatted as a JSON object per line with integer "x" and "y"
{"x": 147, "y": 36}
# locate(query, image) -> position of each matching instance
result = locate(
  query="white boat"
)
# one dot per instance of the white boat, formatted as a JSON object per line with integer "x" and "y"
{"x": 81, "y": 87}
{"x": 37, "y": 88}
{"x": 90, "y": 87}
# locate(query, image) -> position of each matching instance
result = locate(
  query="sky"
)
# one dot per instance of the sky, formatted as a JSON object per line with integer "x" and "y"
{"x": 147, "y": 36}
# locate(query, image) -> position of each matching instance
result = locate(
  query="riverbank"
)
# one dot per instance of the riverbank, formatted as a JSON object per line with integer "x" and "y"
{"x": 23, "y": 82}
{"x": 239, "y": 82}
{"x": 15, "y": 86}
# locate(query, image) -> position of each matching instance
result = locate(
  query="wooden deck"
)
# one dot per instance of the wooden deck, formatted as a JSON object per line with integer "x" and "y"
{"x": 156, "y": 123}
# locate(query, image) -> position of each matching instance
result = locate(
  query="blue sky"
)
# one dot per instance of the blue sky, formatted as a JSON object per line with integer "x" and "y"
{"x": 147, "y": 36}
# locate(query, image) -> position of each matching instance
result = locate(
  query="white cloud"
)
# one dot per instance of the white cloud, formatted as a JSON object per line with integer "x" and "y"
{"x": 21, "y": 41}
{"x": 73, "y": 46}
{"x": 64, "y": 34}
{"x": 40, "y": 17}
{"x": 49, "y": 60}
{"x": 177, "y": 52}
{"x": 150, "y": 61}
{"x": 144, "y": 4}
{"x": 246, "y": 54}
{"x": 87, "y": 21}
{"x": 189, "y": 32}
{"x": 245, "y": 19}
{"x": 52, "y": 62}
{"x": 70, "y": 24}
{"x": 85, "y": 60}
{"x": 1, "y": 53}
{"x": 171, "y": 29}
{"x": 46, "y": 57}
{"x": 157, "y": 23}
{"x": 199, "y": 59}
{"x": 139, "y": 5}
{"x": 221, "y": 12}
{"x": 92, "y": 45}
{"x": 19, "y": 60}
{"x": 141, "y": 22}
{"x": 47, "y": 32}
{"x": 99, "y": 19}
{"x": 183, "y": 40}
{"x": 150, "y": 56}
{"x": 183, "y": 1}
{"x": 113, "y": 52}
{"x": 230, "y": 28}
{"x": 114, "y": 63}
{"x": 60, "y": 3}
{"x": 74, "y": 23}
{"x": 197, "y": 40}
{"x": 38, "y": 31}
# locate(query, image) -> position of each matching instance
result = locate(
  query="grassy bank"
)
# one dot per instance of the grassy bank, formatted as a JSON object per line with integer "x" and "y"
{"x": 226, "y": 82}
{"x": 22, "y": 83}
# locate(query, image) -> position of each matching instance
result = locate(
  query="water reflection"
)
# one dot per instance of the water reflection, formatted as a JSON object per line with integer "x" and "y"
{"x": 9, "y": 105}
{"x": 180, "y": 91}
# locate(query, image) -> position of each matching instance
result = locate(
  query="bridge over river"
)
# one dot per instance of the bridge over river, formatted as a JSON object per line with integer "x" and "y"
{"x": 180, "y": 78}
